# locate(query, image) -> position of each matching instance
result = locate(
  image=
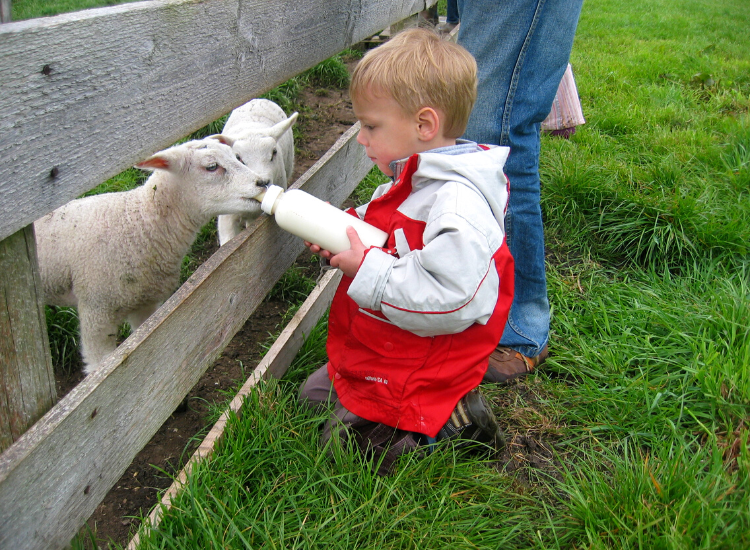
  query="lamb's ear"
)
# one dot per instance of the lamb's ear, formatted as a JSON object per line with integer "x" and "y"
{"x": 221, "y": 138}
{"x": 159, "y": 161}
{"x": 278, "y": 129}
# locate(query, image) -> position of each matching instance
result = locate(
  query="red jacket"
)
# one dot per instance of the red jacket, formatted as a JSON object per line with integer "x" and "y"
{"x": 387, "y": 374}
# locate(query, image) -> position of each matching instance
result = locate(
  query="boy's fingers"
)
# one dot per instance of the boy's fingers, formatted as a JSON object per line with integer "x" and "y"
{"x": 354, "y": 239}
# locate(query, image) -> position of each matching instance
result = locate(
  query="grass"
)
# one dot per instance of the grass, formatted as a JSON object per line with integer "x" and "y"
{"x": 30, "y": 9}
{"x": 644, "y": 405}
{"x": 311, "y": 501}
{"x": 63, "y": 333}
{"x": 645, "y": 402}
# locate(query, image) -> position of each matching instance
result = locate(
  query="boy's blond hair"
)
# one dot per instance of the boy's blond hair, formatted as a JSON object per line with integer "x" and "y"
{"x": 419, "y": 69}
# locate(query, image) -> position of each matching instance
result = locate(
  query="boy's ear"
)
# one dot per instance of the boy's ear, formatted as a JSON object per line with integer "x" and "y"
{"x": 428, "y": 123}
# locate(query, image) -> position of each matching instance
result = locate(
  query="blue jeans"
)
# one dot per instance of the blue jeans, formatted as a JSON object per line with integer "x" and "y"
{"x": 451, "y": 14}
{"x": 522, "y": 49}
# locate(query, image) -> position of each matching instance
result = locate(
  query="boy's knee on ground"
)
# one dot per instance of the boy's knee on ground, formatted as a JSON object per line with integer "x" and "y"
{"x": 317, "y": 389}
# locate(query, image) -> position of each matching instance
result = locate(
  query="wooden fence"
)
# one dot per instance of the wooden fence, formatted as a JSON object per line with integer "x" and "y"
{"x": 82, "y": 97}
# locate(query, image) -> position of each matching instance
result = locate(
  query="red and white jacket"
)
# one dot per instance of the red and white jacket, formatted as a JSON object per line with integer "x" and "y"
{"x": 412, "y": 332}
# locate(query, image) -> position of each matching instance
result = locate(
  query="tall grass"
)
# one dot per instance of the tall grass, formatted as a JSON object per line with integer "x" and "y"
{"x": 645, "y": 401}
{"x": 646, "y": 397}
{"x": 313, "y": 500}
{"x": 661, "y": 173}
{"x": 63, "y": 330}
{"x": 30, "y": 9}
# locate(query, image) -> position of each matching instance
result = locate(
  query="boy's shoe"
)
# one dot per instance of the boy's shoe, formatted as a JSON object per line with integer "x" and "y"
{"x": 507, "y": 364}
{"x": 385, "y": 445}
{"x": 472, "y": 421}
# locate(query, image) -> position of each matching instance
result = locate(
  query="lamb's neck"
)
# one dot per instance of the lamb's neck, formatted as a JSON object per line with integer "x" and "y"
{"x": 171, "y": 212}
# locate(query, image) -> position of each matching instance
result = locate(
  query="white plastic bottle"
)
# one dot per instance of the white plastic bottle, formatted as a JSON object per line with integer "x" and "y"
{"x": 316, "y": 221}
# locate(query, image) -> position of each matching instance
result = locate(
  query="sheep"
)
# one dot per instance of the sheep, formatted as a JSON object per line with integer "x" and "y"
{"x": 117, "y": 256}
{"x": 261, "y": 136}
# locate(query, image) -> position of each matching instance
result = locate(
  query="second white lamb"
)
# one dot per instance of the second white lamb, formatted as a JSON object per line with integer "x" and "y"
{"x": 262, "y": 137}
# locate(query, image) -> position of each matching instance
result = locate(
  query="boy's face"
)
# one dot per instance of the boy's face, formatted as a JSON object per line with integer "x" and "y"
{"x": 387, "y": 132}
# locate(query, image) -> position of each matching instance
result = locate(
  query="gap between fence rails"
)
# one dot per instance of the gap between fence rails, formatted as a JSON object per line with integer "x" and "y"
{"x": 274, "y": 364}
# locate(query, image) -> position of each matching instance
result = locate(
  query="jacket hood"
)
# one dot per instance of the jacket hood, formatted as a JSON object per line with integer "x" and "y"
{"x": 481, "y": 170}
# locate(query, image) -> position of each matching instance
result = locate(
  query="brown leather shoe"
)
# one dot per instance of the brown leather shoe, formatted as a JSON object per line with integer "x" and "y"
{"x": 507, "y": 364}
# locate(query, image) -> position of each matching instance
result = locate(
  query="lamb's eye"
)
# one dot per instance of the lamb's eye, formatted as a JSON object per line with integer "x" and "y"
{"x": 273, "y": 154}
{"x": 212, "y": 167}
{"x": 239, "y": 159}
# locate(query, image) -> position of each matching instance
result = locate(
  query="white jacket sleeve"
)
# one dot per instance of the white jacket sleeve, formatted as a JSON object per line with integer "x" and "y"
{"x": 451, "y": 282}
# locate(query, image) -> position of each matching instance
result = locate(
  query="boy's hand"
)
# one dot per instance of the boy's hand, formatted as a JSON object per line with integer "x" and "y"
{"x": 315, "y": 249}
{"x": 349, "y": 261}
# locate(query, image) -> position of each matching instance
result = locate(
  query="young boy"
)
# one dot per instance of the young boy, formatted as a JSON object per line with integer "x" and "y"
{"x": 413, "y": 323}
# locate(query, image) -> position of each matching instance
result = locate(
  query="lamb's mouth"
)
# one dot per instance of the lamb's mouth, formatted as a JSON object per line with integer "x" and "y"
{"x": 260, "y": 195}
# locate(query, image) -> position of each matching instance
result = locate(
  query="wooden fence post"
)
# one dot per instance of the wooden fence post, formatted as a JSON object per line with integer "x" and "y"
{"x": 27, "y": 383}
{"x": 4, "y": 11}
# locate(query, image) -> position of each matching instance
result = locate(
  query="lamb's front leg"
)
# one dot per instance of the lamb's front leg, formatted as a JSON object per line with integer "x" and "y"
{"x": 138, "y": 317}
{"x": 98, "y": 336}
{"x": 229, "y": 226}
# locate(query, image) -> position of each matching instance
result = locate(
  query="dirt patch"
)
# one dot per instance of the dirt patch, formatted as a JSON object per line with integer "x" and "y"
{"x": 532, "y": 432}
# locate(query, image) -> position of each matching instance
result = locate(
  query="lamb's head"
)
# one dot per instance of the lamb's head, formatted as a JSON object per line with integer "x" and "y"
{"x": 268, "y": 151}
{"x": 207, "y": 175}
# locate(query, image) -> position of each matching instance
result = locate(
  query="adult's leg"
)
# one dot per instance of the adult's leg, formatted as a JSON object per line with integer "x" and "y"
{"x": 452, "y": 12}
{"x": 522, "y": 49}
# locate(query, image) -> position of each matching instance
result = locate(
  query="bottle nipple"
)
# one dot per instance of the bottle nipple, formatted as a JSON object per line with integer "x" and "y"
{"x": 270, "y": 198}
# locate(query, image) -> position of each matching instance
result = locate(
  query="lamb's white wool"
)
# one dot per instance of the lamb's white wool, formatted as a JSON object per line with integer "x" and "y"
{"x": 117, "y": 256}
{"x": 261, "y": 135}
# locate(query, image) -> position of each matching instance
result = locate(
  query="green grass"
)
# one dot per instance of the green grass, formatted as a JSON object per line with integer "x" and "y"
{"x": 644, "y": 405}
{"x": 645, "y": 402}
{"x": 30, "y": 9}
{"x": 660, "y": 174}
{"x": 64, "y": 338}
{"x": 313, "y": 501}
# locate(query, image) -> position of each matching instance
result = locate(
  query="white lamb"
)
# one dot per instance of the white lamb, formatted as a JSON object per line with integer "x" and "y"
{"x": 262, "y": 138}
{"x": 117, "y": 256}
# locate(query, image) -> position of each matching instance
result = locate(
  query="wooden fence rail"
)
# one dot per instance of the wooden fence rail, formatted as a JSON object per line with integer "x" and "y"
{"x": 88, "y": 94}
{"x": 85, "y": 95}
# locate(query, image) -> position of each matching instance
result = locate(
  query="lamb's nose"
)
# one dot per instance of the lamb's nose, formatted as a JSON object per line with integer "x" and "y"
{"x": 263, "y": 183}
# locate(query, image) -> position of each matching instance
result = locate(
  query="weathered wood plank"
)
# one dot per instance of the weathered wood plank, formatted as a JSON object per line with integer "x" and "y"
{"x": 27, "y": 384}
{"x": 55, "y": 475}
{"x": 274, "y": 364}
{"x": 85, "y": 95}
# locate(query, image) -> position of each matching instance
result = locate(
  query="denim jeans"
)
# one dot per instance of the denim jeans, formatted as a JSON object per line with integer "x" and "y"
{"x": 452, "y": 12}
{"x": 522, "y": 49}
